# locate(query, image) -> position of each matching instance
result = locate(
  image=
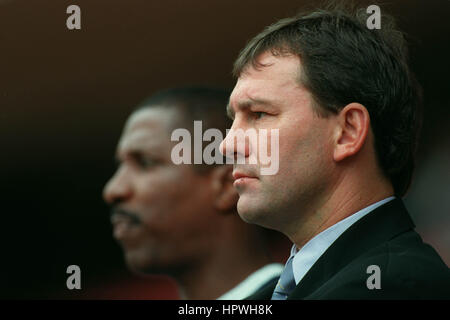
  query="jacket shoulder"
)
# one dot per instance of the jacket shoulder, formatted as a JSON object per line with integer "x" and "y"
{"x": 401, "y": 268}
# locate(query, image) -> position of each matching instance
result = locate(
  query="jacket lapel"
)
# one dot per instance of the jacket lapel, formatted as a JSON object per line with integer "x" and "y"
{"x": 380, "y": 225}
{"x": 265, "y": 293}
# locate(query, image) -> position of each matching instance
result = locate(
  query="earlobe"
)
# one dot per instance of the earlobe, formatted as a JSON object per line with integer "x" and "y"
{"x": 353, "y": 126}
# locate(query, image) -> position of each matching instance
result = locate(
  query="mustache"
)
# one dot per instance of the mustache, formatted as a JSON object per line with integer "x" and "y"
{"x": 117, "y": 212}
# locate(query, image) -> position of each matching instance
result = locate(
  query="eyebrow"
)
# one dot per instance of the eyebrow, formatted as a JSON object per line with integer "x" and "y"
{"x": 132, "y": 152}
{"x": 245, "y": 104}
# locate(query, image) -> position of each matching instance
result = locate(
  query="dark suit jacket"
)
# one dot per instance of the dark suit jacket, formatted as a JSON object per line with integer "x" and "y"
{"x": 409, "y": 268}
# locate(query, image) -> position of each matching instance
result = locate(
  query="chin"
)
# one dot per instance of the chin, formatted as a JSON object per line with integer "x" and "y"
{"x": 137, "y": 263}
{"x": 142, "y": 263}
{"x": 137, "y": 267}
{"x": 249, "y": 212}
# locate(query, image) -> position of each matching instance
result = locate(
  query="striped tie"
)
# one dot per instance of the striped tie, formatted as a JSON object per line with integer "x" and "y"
{"x": 286, "y": 283}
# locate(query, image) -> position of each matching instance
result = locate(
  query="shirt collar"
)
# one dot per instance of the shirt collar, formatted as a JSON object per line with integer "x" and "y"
{"x": 253, "y": 282}
{"x": 305, "y": 258}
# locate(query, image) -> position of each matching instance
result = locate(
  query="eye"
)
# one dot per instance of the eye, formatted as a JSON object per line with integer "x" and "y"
{"x": 145, "y": 162}
{"x": 259, "y": 114}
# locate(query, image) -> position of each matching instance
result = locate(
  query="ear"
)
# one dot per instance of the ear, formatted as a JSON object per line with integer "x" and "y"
{"x": 225, "y": 194}
{"x": 352, "y": 129}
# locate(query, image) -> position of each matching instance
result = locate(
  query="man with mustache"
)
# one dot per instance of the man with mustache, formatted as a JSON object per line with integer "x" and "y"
{"x": 181, "y": 220}
{"x": 346, "y": 107}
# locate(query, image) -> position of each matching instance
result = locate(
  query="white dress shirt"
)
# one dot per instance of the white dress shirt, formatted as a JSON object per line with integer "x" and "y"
{"x": 305, "y": 258}
{"x": 253, "y": 282}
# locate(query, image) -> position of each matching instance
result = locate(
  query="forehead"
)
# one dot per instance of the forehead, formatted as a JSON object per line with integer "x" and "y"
{"x": 278, "y": 75}
{"x": 148, "y": 128}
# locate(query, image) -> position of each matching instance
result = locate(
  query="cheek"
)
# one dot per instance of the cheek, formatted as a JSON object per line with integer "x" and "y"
{"x": 304, "y": 150}
{"x": 170, "y": 200}
{"x": 158, "y": 192}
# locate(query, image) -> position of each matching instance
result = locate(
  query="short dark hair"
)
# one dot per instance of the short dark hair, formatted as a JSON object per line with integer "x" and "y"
{"x": 343, "y": 61}
{"x": 196, "y": 102}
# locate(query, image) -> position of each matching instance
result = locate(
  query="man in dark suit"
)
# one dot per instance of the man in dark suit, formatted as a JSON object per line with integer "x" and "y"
{"x": 341, "y": 106}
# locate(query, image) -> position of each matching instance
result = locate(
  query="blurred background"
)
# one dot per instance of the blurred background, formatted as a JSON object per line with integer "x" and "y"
{"x": 65, "y": 95}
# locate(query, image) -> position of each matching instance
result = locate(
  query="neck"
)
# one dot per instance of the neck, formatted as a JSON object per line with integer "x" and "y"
{"x": 229, "y": 265}
{"x": 346, "y": 197}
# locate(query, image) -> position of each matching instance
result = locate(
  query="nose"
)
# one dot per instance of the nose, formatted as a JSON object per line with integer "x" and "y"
{"x": 118, "y": 188}
{"x": 236, "y": 143}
